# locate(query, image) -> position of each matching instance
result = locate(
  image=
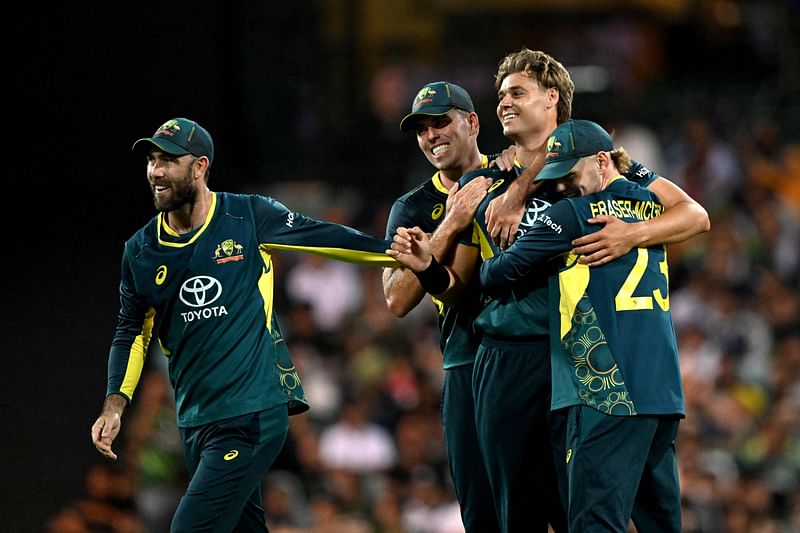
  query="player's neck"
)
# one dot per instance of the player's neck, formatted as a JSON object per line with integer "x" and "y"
{"x": 531, "y": 148}
{"x": 449, "y": 176}
{"x": 191, "y": 215}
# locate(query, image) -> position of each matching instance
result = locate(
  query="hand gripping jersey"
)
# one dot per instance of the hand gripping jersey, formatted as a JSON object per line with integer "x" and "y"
{"x": 424, "y": 206}
{"x": 612, "y": 339}
{"x": 208, "y": 295}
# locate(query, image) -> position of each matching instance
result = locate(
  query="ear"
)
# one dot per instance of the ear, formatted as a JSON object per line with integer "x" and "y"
{"x": 474, "y": 123}
{"x": 604, "y": 159}
{"x": 201, "y": 165}
{"x": 552, "y": 97}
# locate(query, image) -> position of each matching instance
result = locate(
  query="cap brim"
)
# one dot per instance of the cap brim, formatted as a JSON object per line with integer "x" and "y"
{"x": 556, "y": 169}
{"x": 409, "y": 121}
{"x": 168, "y": 147}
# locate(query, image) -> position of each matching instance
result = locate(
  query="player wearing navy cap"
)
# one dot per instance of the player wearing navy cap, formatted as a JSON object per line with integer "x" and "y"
{"x": 199, "y": 278}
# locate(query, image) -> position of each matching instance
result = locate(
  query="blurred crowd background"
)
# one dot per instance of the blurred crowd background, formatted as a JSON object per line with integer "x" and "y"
{"x": 304, "y": 101}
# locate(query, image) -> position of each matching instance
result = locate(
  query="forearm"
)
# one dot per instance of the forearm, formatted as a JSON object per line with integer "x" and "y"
{"x": 401, "y": 286}
{"x": 522, "y": 187}
{"x": 115, "y": 404}
{"x": 682, "y": 221}
{"x": 402, "y": 290}
{"x": 443, "y": 240}
{"x": 441, "y": 282}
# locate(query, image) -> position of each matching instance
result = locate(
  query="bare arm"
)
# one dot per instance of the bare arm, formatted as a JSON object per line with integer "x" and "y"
{"x": 107, "y": 426}
{"x": 505, "y": 212}
{"x": 412, "y": 248}
{"x": 683, "y": 218}
{"x": 401, "y": 287}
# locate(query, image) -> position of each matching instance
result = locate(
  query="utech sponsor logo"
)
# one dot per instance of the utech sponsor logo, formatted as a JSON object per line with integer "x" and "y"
{"x": 550, "y": 223}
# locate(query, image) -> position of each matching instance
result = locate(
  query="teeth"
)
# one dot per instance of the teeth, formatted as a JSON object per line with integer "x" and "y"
{"x": 440, "y": 149}
{"x": 508, "y": 116}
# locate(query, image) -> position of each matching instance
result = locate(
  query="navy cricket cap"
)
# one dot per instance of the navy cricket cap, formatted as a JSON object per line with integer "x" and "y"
{"x": 570, "y": 142}
{"x": 179, "y": 136}
{"x": 436, "y": 99}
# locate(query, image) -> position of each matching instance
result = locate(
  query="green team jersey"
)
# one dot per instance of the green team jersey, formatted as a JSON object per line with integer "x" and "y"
{"x": 520, "y": 313}
{"x": 208, "y": 296}
{"x": 424, "y": 206}
{"x": 612, "y": 339}
{"x": 524, "y": 311}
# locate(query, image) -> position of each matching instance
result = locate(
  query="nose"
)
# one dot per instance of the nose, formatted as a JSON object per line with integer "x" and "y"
{"x": 561, "y": 187}
{"x": 155, "y": 169}
{"x": 431, "y": 133}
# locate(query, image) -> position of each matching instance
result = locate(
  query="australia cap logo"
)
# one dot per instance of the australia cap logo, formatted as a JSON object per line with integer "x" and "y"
{"x": 553, "y": 146}
{"x": 424, "y": 96}
{"x": 170, "y": 127}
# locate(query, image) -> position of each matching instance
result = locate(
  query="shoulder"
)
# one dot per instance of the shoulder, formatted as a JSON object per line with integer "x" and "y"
{"x": 420, "y": 190}
{"x": 640, "y": 174}
{"x": 144, "y": 236}
{"x": 423, "y": 196}
{"x": 492, "y": 173}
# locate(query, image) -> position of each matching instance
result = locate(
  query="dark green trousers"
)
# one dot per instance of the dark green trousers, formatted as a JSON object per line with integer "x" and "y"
{"x": 622, "y": 468}
{"x": 470, "y": 480}
{"x": 227, "y": 460}
{"x": 522, "y": 444}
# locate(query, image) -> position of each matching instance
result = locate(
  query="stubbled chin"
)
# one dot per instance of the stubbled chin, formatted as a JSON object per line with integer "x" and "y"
{"x": 161, "y": 200}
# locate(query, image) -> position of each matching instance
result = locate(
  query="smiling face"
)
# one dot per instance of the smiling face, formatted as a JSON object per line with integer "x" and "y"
{"x": 448, "y": 141}
{"x": 525, "y": 108}
{"x": 171, "y": 180}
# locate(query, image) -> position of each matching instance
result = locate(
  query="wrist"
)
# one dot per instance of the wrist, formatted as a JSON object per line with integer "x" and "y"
{"x": 435, "y": 279}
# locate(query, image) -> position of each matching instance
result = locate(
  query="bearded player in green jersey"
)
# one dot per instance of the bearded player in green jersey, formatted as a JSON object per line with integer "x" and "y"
{"x": 199, "y": 276}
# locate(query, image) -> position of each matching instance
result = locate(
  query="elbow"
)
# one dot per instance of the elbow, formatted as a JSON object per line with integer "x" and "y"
{"x": 397, "y": 308}
{"x": 703, "y": 220}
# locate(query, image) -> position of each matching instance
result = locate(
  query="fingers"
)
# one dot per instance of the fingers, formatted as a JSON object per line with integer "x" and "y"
{"x": 595, "y": 259}
{"x": 508, "y": 235}
{"x": 477, "y": 186}
{"x": 102, "y": 438}
{"x": 584, "y": 246}
{"x": 404, "y": 239}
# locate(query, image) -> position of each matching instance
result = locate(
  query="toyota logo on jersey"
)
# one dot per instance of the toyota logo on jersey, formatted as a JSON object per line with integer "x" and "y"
{"x": 200, "y": 291}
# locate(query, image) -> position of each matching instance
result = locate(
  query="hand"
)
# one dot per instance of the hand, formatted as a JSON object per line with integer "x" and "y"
{"x": 104, "y": 431}
{"x": 612, "y": 241}
{"x": 502, "y": 220}
{"x": 412, "y": 248}
{"x": 505, "y": 161}
{"x": 462, "y": 203}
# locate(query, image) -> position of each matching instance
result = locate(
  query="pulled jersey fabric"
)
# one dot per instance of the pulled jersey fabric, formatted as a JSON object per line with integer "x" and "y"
{"x": 208, "y": 295}
{"x": 612, "y": 339}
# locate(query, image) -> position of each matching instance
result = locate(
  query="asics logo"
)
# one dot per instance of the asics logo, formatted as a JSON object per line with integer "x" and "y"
{"x": 231, "y": 455}
{"x": 200, "y": 291}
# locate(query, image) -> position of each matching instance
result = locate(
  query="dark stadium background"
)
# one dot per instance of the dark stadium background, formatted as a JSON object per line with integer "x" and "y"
{"x": 282, "y": 86}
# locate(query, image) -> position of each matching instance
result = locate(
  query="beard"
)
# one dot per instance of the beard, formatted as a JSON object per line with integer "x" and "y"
{"x": 182, "y": 192}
